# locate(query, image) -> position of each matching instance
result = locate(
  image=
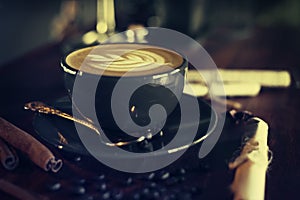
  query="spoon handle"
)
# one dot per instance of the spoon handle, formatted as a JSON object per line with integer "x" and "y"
{"x": 41, "y": 107}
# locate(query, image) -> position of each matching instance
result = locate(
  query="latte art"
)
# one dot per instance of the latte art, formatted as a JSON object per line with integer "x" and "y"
{"x": 139, "y": 60}
{"x": 124, "y": 59}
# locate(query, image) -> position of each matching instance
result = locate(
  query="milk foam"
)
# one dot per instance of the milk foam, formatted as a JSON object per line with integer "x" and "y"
{"x": 124, "y": 59}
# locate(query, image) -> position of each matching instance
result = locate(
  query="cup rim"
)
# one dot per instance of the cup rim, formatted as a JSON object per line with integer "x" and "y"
{"x": 70, "y": 70}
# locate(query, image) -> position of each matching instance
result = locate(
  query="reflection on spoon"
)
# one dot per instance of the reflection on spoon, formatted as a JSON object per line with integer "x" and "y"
{"x": 45, "y": 109}
{"x": 41, "y": 107}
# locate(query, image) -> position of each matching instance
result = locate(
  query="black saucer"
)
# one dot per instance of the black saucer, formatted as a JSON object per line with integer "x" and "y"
{"x": 62, "y": 133}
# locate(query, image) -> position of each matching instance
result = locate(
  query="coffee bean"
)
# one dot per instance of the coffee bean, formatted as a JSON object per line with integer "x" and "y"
{"x": 54, "y": 187}
{"x": 153, "y": 185}
{"x": 172, "y": 181}
{"x": 156, "y": 195}
{"x": 129, "y": 181}
{"x": 89, "y": 198}
{"x": 165, "y": 175}
{"x": 80, "y": 181}
{"x": 106, "y": 195}
{"x": 170, "y": 197}
{"x": 182, "y": 179}
{"x": 162, "y": 189}
{"x": 78, "y": 190}
{"x": 182, "y": 171}
{"x": 102, "y": 186}
{"x": 146, "y": 191}
{"x": 100, "y": 177}
{"x": 151, "y": 176}
{"x": 117, "y": 195}
{"x": 77, "y": 159}
{"x": 136, "y": 196}
{"x": 195, "y": 190}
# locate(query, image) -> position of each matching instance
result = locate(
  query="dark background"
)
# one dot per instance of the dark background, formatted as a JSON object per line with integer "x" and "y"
{"x": 25, "y": 25}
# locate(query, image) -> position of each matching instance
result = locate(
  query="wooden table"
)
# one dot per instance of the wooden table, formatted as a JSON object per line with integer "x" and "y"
{"x": 37, "y": 76}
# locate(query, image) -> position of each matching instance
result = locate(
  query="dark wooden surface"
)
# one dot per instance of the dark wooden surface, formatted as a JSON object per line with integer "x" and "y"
{"x": 37, "y": 76}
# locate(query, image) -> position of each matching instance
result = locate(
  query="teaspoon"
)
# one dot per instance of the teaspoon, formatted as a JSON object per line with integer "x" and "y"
{"x": 43, "y": 108}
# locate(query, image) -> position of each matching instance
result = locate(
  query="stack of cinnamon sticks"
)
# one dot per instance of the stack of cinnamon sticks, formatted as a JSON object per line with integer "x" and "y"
{"x": 12, "y": 137}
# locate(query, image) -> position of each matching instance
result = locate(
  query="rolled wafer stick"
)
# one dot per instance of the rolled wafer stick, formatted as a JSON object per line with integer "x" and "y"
{"x": 251, "y": 166}
{"x": 8, "y": 156}
{"x": 23, "y": 141}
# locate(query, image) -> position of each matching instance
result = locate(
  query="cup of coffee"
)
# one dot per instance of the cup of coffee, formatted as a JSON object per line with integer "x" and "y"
{"x": 129, "y": 87}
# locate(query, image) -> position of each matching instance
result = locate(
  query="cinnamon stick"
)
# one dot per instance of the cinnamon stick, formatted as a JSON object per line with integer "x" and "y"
{"x": 35, "y": 150}
{"x": 8, "y": 156}
{"x": 18, "y": 192}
